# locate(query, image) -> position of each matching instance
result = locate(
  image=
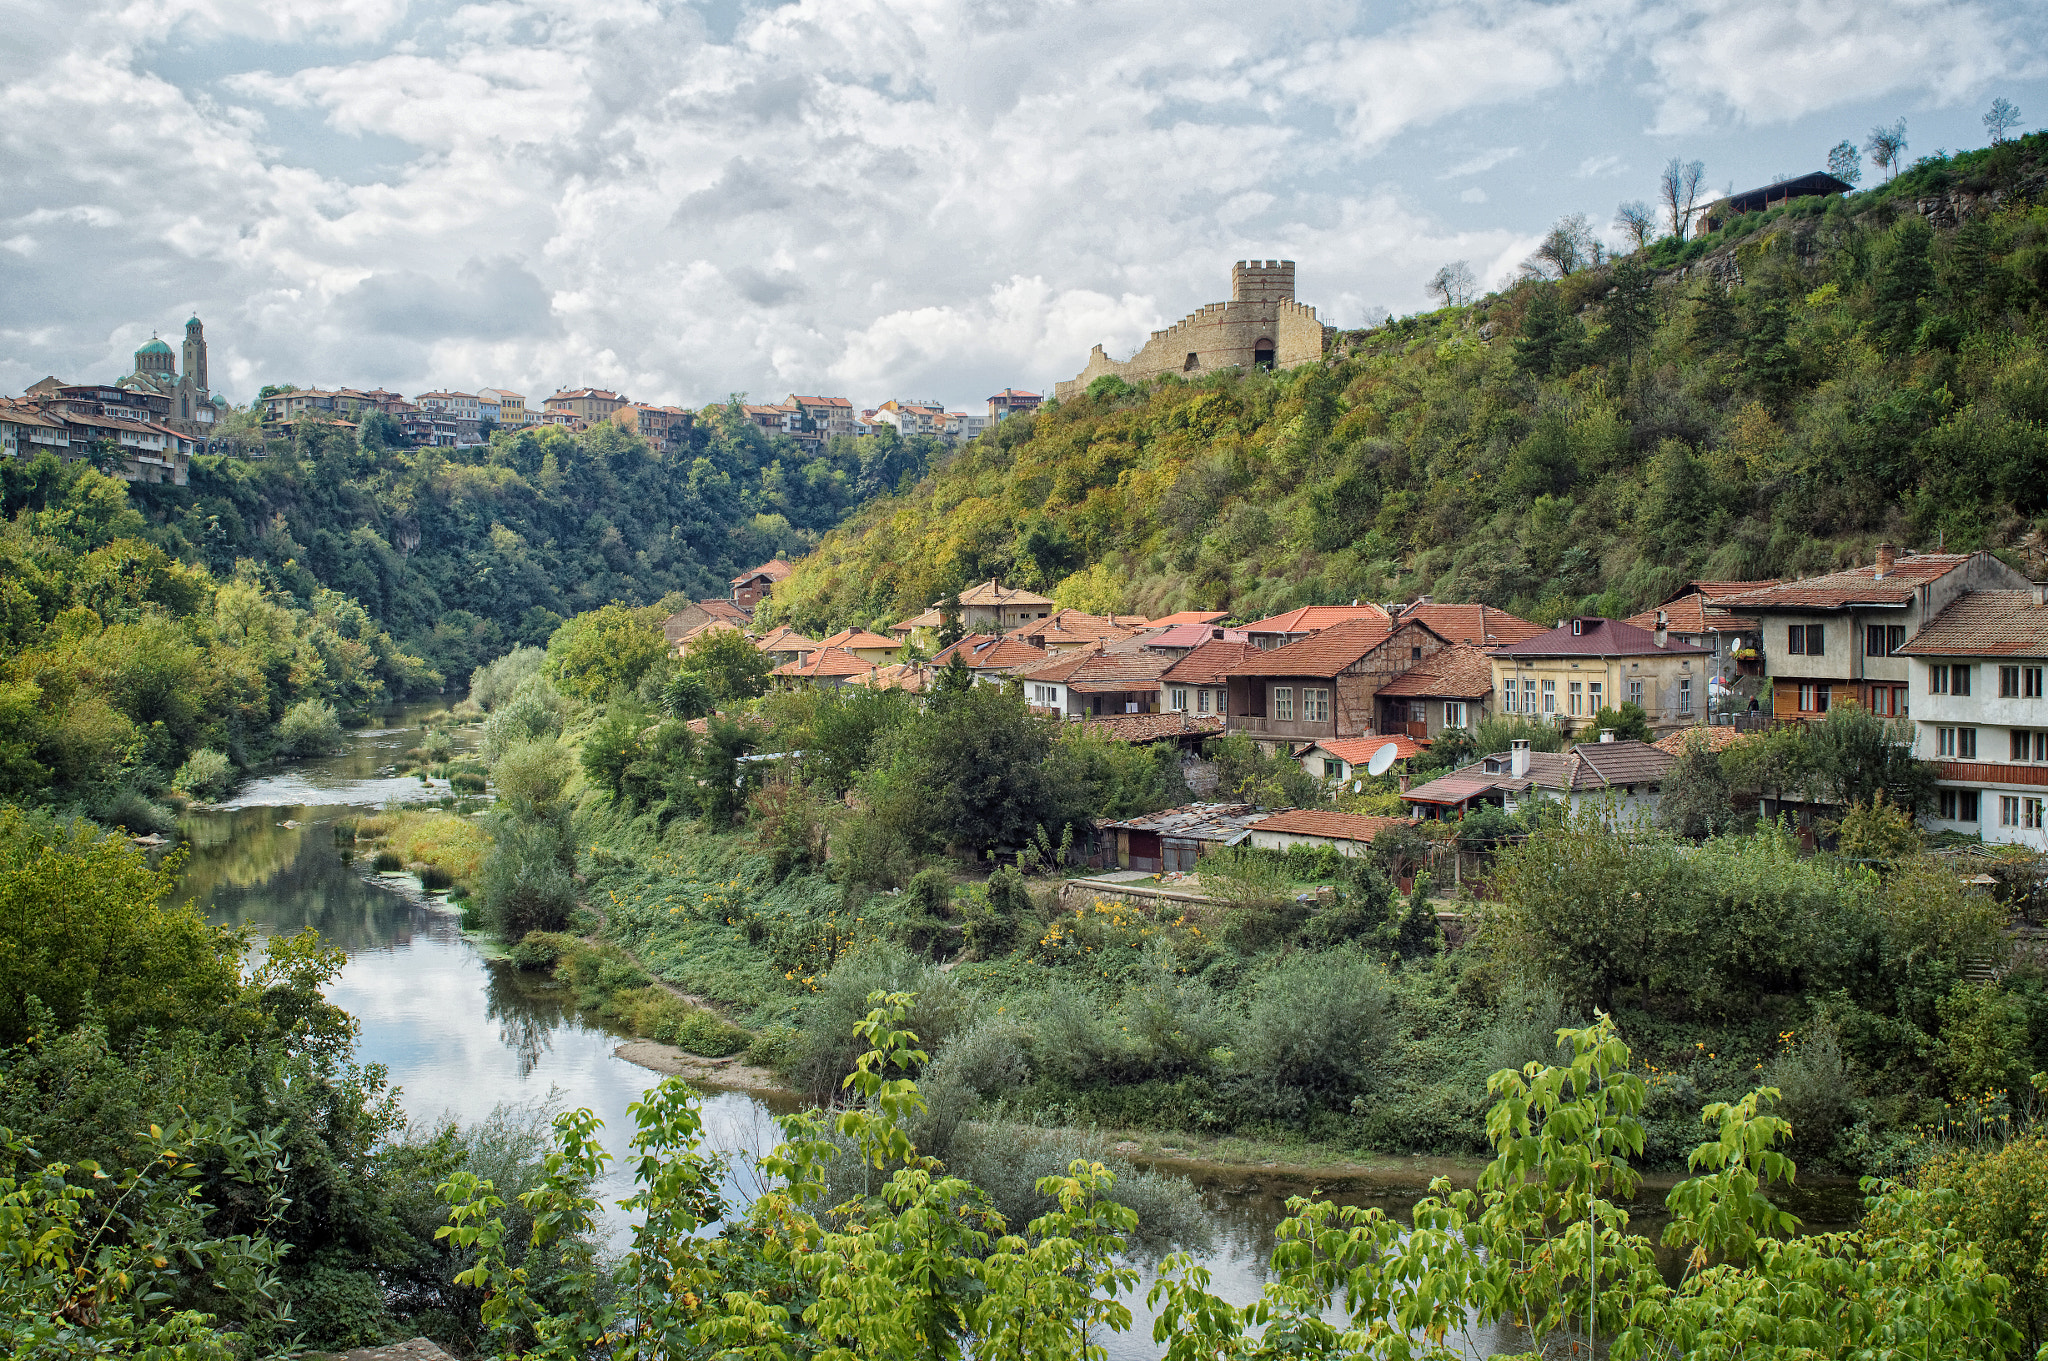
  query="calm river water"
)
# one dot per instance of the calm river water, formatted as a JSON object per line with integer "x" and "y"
{"x": 461, "y": 1035}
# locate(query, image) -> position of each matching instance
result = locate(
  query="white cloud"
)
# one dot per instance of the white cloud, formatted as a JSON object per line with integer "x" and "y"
{"x": 1481, "y": 162}
{"x": 1594, "y": 167}
{"x": 1473, "y": 195}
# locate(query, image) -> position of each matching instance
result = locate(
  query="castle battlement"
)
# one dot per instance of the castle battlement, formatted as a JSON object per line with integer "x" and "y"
{"x": 1260, "y": 326}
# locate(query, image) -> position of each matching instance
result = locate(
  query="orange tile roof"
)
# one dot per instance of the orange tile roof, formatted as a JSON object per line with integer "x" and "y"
{"x": 852, "y": 638}
{"x": 1325, "y": 653}
{"x": 1066, "y": 627}
{"x": 1985, "y": 624}
{"x": 993, "y": 592}
{"x": 785, "y": 639}
{"x": 1210, "y": 663}
{"x": 1693, "y": 613}
{"x": 930, "y": 619}
{"x": 1480, "y": 624}
{"x": 775, "y": 569}
{"x": 1856, "y": 586}
{"x": 1454, "y": 673}
{"x": 1093, "y": 672}
{"x": 908, "y": 677}
{"x": 1358, "y": 751}
{"x": 1326, "y": 823}
{"x": 1717, "y": 738}
{"x": 1311, "y": 617}
{"x": 825, "y": 662}
{"x": 1189, "y": 617}
{"x": 990, "y": 652}
{"x": 723, "y": 609}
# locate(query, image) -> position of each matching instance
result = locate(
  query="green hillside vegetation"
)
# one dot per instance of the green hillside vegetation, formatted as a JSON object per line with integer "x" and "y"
{"x": 1773, "y": 399}
{"x": 463, "y": 554}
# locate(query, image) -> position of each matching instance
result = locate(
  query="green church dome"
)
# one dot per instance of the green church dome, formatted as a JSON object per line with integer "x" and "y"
{"x": 154, "y": 346}
{"x": 192, "y": 320}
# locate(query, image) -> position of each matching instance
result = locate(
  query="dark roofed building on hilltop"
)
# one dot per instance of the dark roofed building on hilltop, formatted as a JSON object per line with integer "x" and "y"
{"x": 1721, "y": 212}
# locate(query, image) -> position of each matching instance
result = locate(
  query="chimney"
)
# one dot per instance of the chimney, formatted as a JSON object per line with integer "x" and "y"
{"x": 1607, "y": 734}
{"x": 1518, "y": 758}
{"x": 1404, "y": 782}
{"x": 1887, "y": 557}
{"x": 2041, "y": 593}
{"x": 1663, "y": 627}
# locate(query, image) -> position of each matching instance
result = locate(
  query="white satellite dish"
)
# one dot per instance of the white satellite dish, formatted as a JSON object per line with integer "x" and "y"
{"x": 1382, "y": 760}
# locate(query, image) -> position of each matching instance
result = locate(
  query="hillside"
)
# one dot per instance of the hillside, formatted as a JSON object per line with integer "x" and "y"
{"x": 462, "y": 554}
{"x": 1772, "y": 399}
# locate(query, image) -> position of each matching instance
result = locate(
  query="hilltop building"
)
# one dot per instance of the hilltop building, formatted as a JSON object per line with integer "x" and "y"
{"x": 190, "y": 408}
{"x": 1262, "y": 326}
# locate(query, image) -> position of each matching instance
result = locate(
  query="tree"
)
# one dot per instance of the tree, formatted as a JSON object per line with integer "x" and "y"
{"x": 976, "y": 761}
{"x": 605, "y": 649}
{"x": 1638, "y": 219}
{"x": 1855, "y": 756}
{"x": 732, "y": 667}
{"x": 1453, "y": 283}
{"x": 2001, "y": 118}
{"x": 1698, "y": 801}
{"x": 1845, "y": 163}
{"x": 1628, "y": 723}
{"x": 1679, "y": 190}
{"x": 1631, "y": 309}
{"x": 1569, "y": 248}
{"x": 1905, "y": 275}
{"x": 1887, "y": 146}
{"x": 1552, "y": 340}
{"x": 951, "y": 630}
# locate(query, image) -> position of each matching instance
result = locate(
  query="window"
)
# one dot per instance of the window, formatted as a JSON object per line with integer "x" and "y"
{"x": 1888, "y": 701}
{"x": 1507, "y": 698}
{"x": 2030, "y": 815}
{"x": 1685, "y": 694}
{"x": 1806, "y": 640}
{"x": 1959, "y": 679}
{"x": 2008, "y": 810}
{"x": 1201, "y": 701}
{"x": 1550, "y": 697}
{"x": 2030, "y": 682}
{"x": 2008, "y": 682}
{"x": 1454, "y": 713}
{"x": 1635, "y": 693}
{"x": 1813, "y": 699}
{"x": 1177, "y": 698}
{"x": 1959, "y": 805}
{"x": 1595, "y": 696}
{"x": 1415, "y": 654}
{"x": 1315, "y": 706}
{"x": 1333, "y": 769}
{"x": 1283, "y": 702}
{"x": 2029, "y": 746}
{"x": 1961, "y": 743}
{"x": 1528, "y": 697}
{"x": 1937, "y": 680}
{"x": 1578, "y": 698}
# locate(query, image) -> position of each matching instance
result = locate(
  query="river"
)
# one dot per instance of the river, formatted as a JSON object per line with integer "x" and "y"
{"x": 461, "y": 1035}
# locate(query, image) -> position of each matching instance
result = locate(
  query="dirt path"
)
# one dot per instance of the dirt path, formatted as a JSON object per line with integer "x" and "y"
{"x": 734, "y": 1073}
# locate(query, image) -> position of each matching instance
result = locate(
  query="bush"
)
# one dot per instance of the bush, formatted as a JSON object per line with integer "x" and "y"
{"x": 525, "y": 883}
{"x": 1316, "y": 1030}
{"x": 1814, "y": 1088}
{"x": 496, "y": 682}
{"x": 388, "y": 862}
{"x": 1997, "y": 1204}
{"x": 540, "y": 949}
{"x": 988, "y": 1057}
{"x": 207, "y": 774}
{"x": 829, "y": 1047}
{"x": 535, "y": 715}
{"x": 464, "y": 782}
{"x": 433, "y": 878}
{"x": 309, "y": 728}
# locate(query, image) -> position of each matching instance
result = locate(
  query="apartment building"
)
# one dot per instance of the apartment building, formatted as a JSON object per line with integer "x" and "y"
{"x": 585, "y": 406}
{"x": 1011, "y": 402}
{"x": 911, "y": 418}
{"x": 511, "y": 407}
{"x": 1981, "y": 714}
{"x": 1568, "y": 674}
{"x": 820, "y": 418}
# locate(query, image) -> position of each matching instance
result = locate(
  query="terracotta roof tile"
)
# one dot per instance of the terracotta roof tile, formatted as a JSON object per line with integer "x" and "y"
{"x": 1599, "y": 638}
{"x": 774, "y": 569}
{"x": 1189, "y": 617}
{"x": 1190, "y": 635}
{"x": 1621, "y": 763}
{"x": 908, "y": 677}
{"x": 826, "y": 662}
{"x": 786, "y": 639}
{"x": 1324, "y": 822}
{"x": 1357, "y": 751}
{"x": 723, "y": 609}
{"x": 1208, "y": 664}
{"x": 1101, "y": 672}
{"x": 991, "y": 652}
{"x": 852, "y": 638}
{"x": 1481, "y": 625}
{"x": 1153, "y": 727}
{"x": 1856, "y": 586}
{"x": 1718, "y": 738}
{"x": 1454, "y": 673}
{"x": 995, "y": 593}
{"x": 1067, "y": 627}
{"x": 1985, "y": 624}
{"x": 1311, "y": 617}
{"x": 1327, "y": 652}
{"x": 930, "y": 619}
{"x": 1693, "y": 613}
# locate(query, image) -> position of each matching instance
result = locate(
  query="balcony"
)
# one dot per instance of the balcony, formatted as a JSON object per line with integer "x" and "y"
{"x": 1258, "y": 725}
{"x": 1994, "y": 772}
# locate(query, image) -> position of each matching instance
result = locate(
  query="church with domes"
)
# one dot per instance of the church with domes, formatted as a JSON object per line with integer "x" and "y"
{"x": 192, "y": 407}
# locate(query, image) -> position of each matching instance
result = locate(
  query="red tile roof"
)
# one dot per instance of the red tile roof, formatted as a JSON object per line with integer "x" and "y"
{"x": 853, "y": 638}
{"x": 1153, "y": 727}
{"x": 1454, "y": 673}
{"x": 1325, "y": 823}
{"x": 1327, "y": 653}
{"x": 723, "y": 609}
{"x": 826, "y": 662}
{"x": 1189, "y": 635}
{"x": 1209, "y": 664}
{"x": 1597, "y": 638}
{"x": 908, "y": 677}
{"x": 1479, "y": 624}
{"x": 991, "y": 652}
{"x": 1311, "y": 617}
{"x": 786, "y": 639}
{"x": 1067, "y": 627}
{"x": 1101, "y": 672}
{"x": 1357, "y": 751}
{"x": 1985, "y": 624}
{"x": 1856, "y": 586}
{"x": 1693, "y": 613}
{"x": 1189, "y": 617}
{"x": 775, "y": 569}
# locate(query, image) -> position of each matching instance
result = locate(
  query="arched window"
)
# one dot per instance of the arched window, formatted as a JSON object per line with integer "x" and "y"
{"x": 1262, "y": 354}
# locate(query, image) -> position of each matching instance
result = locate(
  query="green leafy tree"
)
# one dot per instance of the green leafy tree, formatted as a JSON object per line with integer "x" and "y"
{"x": 1630, "y": 310}
{"x": 604, "y": 650}
{"x": 1698, "y": 800}
{"x": 1628, "y": 723}
{"x": 1853, "y": 756}
{"x": 730, "y": 664}
{"x": 976, "y": 759}
{"x": 1553, "y": 339}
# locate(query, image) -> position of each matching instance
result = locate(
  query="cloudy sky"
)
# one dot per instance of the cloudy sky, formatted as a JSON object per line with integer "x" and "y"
{"x": 919, "y": 198}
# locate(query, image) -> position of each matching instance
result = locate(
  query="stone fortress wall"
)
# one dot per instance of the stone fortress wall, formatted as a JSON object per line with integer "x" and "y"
{"x": 1261, "y": 324}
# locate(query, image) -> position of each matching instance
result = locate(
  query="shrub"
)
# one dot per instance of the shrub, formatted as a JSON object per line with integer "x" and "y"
{"x": 309, "y": 728}
{"x": 496, "y": 682}
{"x": 1814, "y": 1089}
{"x": 463, "y": 782}
{"x": 388, "y": 862}
{"x": 433, "y": 878}
{"x": 1997, "y": 1204}
{"x": 829, "y": 1047}
{"x": 540, "y": 949}
{"x": 1316, "y": 1029}
{"x": 525, "y": 883}
{"x": 207, "y": 774}
{"x": 988, "y": 1057}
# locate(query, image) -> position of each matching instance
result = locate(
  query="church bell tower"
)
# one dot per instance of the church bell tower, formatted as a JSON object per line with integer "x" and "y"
{"x": 195, "y": 356}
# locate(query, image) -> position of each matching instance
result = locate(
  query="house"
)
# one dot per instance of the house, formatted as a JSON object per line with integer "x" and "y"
{"x": 1723, "y": 211}
{"x": 1198, "y": 681}
{"x": 1839, "y": 637}
{"x": 911, "y": 418}
{"x": 820, "y": 418}
{"x": 1183, "y": 729}
{"x": 1980, "y": 711}
{"x": 828, "y": 666}
{"x": 991, "y": 607}
{"x": 1568, "y": 674}
{"x": 1347, "y": 833}
{"x": 1344, "y": 758}
{"x": 752, "y": 586}
{"x": 26, "y": 432}
{"x": 1176, "y": 838}
{"x": 667, "y": 428}
{"x": 776, "y": 420}
{"x": 990, "y": 656}
{"x": 1282, "y": 629}
{"x": 1325, "y": 684}
{"x": 1449, "y": 689}
{"x": 1010, "y": 402}
{"x": 463, "y": 408}
{"x": 1479, "y": 625}
{"x": 869, "y": 647}
{"x": 912, "y": 678}
{"x": 1095, "y": 682}
{"x": 1064, "y": 630}
{"x": 785, "y": 644}
{"x": 511, "y": 406}
{"x": 584, "y": 407}
{"x": 960, "y": 426}
{"x": 1695, "y": 615}
{"x": 1181, "y": 639}
{"x": 681, "y": 646}
{"x": 921, "y": 629}
{"x": 683, "y": 622}
{"x": 724, "y": 609}
{"x": 1628, "y": 773}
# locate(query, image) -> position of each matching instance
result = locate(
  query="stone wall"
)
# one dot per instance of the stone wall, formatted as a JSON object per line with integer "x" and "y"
{"x": 1261, "y": 315}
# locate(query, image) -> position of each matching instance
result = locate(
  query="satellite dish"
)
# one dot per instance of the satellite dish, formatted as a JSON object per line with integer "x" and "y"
{"x": 1382, "y": 760}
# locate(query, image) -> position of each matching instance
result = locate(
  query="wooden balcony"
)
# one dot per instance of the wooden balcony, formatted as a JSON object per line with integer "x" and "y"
{"x": 1994, "y": 772}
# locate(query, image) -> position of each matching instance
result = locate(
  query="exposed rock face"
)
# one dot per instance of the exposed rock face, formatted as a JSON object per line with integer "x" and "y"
{"x": 419, "y": 1349}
